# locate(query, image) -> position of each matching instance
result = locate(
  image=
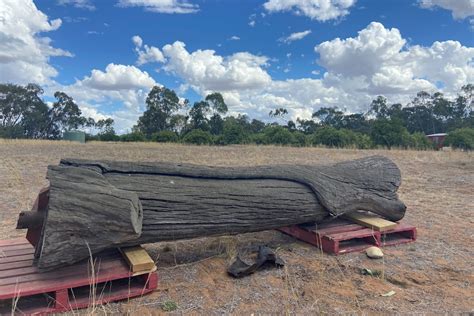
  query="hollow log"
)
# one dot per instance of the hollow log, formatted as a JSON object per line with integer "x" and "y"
{"x": 96, "y": 205}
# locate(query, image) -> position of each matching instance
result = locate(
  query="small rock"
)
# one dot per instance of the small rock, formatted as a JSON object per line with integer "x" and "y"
{"x": 374, "y": 252}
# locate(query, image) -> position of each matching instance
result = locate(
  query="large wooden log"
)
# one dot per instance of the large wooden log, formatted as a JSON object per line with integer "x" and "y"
{"x": 98, "y": 205}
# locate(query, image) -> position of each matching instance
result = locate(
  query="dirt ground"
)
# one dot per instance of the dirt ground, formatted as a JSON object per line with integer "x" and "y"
{"x": 433, "y": 275}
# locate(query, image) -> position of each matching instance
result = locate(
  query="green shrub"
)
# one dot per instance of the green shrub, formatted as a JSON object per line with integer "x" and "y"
{"x": 278, "y": 135}
{"x": 133, "y": 137}
{"x": 108, "y": 137}
{"x": 389, "y": 133}
{"x": 233, "y": 134}
{"x": 361, "y": 141}
{"x": 258, "y": 138}
{"x": 198, "y": 137}
{"x": 462, "y": 138}
{"x": 165, "y": 137}
{"x": 300, "y": 139}
{"x": 417, "y": 141}
{"x": 330, "y": 136}
{"x": 90, "y": 137}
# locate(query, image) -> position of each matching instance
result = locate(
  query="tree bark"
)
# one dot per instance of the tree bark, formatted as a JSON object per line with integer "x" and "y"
{"x": 98, "y": 205}
{"x": 183, "y": 207}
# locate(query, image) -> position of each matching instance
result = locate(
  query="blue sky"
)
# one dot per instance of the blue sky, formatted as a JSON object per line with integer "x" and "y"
{"x": 259, "y": 54}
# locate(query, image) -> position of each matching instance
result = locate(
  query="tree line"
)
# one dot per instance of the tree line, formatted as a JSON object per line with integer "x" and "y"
{"x": 24, "y": 114}
{"x": 167, "y": 118}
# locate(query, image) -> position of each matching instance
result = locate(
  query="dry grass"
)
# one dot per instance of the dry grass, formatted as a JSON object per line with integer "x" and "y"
{"x": 433, "y": 275}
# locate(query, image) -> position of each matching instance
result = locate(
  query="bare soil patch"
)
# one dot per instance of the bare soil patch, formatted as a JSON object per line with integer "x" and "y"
{"x": 433, "y": 275}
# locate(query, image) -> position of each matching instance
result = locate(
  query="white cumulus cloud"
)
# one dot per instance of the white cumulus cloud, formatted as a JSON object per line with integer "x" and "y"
{"x": 321, "y": 10}
{"x": 162, "y": 6}
{"x": 24, "y": 53}
{"x": 295, "y": 36}
{"x": 379, "y": 58}
{"x": 205, "y": 70}
{"x": 120, "y": 87}
{"x": 146, "y": 54}
{"x": 460, "y": 9}
{"x": 137, "y": 40}
{"x": 118, "y": 77}
{"x": 376, "y": 61}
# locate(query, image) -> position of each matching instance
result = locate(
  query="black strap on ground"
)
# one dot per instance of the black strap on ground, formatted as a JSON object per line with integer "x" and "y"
{"x": 265, "y": 257}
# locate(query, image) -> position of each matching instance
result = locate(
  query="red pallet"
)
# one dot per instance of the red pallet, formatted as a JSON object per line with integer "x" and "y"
{"x": 340, "y": 236}
{"x": 72, "y": 287}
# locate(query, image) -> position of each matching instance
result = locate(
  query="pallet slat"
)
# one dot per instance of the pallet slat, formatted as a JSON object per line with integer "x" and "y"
{"x": 18, "y": 277}
{"x": 69, "y": 273}
{"x": 352, "y": 234}
{"x": 337, "y": 229}
{"x": 4, "y": 260}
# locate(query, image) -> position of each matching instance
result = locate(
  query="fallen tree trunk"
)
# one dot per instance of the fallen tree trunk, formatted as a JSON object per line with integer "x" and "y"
{"x": 98, "y": 205}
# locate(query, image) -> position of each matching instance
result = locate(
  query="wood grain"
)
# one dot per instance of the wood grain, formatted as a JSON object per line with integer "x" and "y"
{"x": 96, "y": 205}
{"x": 371, "y": 221}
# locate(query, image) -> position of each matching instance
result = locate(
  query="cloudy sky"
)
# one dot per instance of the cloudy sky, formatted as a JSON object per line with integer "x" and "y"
{"x": 297, "y": 54}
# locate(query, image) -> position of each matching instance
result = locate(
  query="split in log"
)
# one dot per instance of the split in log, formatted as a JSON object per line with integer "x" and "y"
{"x": 95, "y": 205}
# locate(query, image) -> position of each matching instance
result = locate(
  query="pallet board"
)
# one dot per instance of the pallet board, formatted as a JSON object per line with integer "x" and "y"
{"x": 32, "y": 291}
{"x": 341, "y": 236}
{"x": 371, "y": 221}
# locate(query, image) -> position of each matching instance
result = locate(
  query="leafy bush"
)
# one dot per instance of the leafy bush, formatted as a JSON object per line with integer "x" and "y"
{"x": 198, "y": 137}
{"x": 233, "y": 134}
{"x": 278, "y": 135}
{"x": 462, "y": 138}
{"x": 330, "y": 136}
{"x": 108, "y": 137}
{"x": 300, "y": 139}
{"x": 361, "y": 141}
{"x": 165, "y": 137}
{"x": 417, "y": 141}
{"x": 389, "y": 133}
{"x": 90, "y": 137}
{"x": 258, "y": 138}
{"x": 133, "y": 137}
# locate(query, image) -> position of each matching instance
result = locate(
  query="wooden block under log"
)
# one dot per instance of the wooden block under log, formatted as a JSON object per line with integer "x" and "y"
{"x": 372, "y": 221}
{"x": 138, "y": 259}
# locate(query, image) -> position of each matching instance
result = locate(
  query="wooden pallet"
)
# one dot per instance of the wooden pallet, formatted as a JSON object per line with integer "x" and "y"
{"x": 73, "y": 287}
{"x": 342, "y": 236}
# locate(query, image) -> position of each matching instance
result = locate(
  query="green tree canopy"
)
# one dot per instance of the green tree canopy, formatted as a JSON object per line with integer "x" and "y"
{"x": 161, "y": 103}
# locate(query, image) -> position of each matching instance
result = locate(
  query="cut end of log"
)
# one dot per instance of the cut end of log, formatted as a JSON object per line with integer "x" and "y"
{"x": 86, "y": 215}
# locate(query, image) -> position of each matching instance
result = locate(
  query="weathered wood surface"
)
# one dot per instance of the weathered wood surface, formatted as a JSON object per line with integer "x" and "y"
{"x": 98, "y": 205}
{"x": 371, "y": 221}
{"x": 86, "y": 214}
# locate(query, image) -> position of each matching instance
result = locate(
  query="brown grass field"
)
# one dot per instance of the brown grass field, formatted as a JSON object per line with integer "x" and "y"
{"x": 434, "y": 275}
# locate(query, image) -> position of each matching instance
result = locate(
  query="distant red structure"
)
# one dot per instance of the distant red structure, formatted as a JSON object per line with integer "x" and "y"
{"x": 437, "y": 139}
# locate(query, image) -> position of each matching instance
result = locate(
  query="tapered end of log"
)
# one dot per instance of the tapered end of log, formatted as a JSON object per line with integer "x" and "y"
{"x": 368, "y": 184}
